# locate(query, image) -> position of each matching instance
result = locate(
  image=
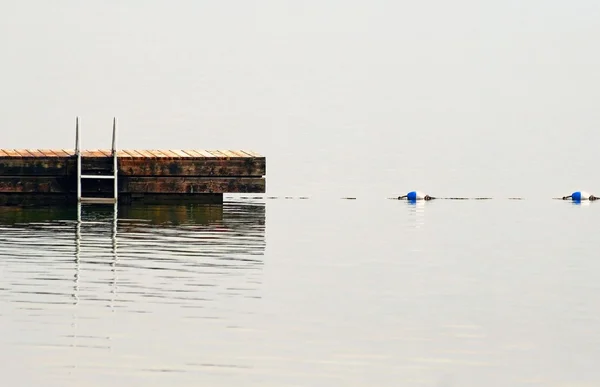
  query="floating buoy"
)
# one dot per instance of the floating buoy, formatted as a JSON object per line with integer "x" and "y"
{"x": 580, "y": 195}
{"x": 415, "y": 195}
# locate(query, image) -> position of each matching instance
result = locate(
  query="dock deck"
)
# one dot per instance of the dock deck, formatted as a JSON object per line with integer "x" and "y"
{"x": 41, "y": 176}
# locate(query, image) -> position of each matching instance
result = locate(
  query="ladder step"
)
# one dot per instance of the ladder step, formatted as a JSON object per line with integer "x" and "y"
{"x": 98, "y": 200}
{"x": 97, "y": 176}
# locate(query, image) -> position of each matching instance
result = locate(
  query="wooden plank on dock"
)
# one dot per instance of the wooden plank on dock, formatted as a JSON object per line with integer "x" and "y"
{"x": 192, "y": 167}
{"x": 157, "y": 154}
{"x": 191, "y": 185}
{"x": 93, "y": 153}
{"x": 48, "y": 153}
{"x": 33, "y": 184}
{"x": 93, "y": 165}
{"x": 35, "y": 199}
{"x": 229, "y": 153}
{"x": 23, "y": 153}
{"x": 133, "y": 166}
{"x": 193, "y": 153}
{"x": 246, "y": 154}
{"x": 60, "y": 153}
{"x": 171, "y": 172}
{"x": 153, "y": 153}
{"x": 240, "y": 153}
{"x": 12, "y": 153}
{"x": 217, "y": 154}
{"x": 146, "y": 154}
{"x": 123, "y": 154}
{"x": 205, "y": 153}
{"x": 134, "y": 153}
{"x": 39, "y": 166}
{"x": 180, "y": 153}
{"x": 170, "y": 153}
{"x": 96, "y": 153}
{"x": 252, "y": 153}
{"x": 36, "y": 153}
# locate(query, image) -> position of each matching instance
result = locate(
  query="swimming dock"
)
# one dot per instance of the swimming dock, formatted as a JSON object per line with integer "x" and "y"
{"x": 54, "y": 176}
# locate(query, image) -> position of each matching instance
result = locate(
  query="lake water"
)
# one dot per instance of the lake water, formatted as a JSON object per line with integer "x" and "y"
{"x": 302, "y": 292}
{"x": 368, "y": 99}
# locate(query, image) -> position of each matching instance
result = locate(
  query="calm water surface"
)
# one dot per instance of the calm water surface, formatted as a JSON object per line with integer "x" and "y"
{"x": 291, "y": 292}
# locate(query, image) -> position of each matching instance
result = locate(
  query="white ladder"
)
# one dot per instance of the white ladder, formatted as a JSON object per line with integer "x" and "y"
{"x": 115, "y": 168}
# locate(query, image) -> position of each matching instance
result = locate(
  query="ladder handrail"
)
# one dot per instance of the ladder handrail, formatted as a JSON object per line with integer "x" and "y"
{"x": 114, "y": 156}
{"x": 78, "y": 153}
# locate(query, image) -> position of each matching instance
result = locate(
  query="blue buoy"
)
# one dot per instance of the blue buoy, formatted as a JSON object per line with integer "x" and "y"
{"x": 578, "y": 196}
{"x": 415, "y": 195}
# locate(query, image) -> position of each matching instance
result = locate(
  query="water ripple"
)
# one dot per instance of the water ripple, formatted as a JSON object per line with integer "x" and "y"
{"x": 62, "y": 273}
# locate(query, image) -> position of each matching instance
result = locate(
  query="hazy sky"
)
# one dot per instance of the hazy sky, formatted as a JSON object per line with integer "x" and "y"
{"x": 344, "y": 98}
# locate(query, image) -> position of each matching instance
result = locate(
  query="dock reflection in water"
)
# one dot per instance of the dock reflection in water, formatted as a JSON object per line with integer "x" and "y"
{"x": 114, "y": 290}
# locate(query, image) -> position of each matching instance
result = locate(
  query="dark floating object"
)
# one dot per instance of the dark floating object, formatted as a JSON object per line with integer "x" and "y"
{"x": 578, "y": 196}
{"x": 415, "y": 195}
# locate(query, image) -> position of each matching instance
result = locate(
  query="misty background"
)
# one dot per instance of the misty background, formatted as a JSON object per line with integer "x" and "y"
{"x": 344, "y": 98}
